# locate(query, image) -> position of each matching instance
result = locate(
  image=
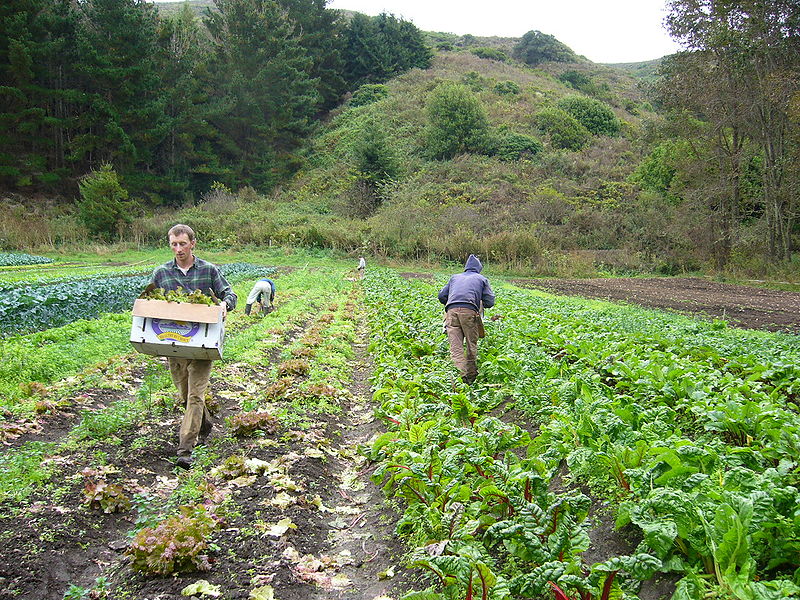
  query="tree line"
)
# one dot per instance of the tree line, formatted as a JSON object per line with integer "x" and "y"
{"x": 732, "y": 105}
{"x": 177, "y": 103}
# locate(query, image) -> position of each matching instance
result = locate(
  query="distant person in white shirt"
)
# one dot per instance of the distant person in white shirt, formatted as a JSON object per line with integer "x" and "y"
{"x": 263, "y": 292}
{"x": 362, "y": 265}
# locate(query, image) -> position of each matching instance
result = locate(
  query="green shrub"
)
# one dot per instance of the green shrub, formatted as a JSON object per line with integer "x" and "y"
{"x": 457, "y": 122}
{"x": 490, "y": 53}
{"x": 103, "y": 207}
{"x": 657, "y": 170}
{"x": 375, "y": 158}
{"x": 176, "y": 544}
{"x": 596, "y": 116}
{"x": 505, "y": 88}
{"x": 508, "y": 145}
{"x": 369, "y": 93}
{"x": 536, "y": 47}
{"x": 577, "y": 80}
{"x": 565, "y": 131}
{"x": 474, "y": 81}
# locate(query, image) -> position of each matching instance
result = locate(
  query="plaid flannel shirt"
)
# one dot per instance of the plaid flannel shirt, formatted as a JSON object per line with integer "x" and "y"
{"x": 202, "y": 275}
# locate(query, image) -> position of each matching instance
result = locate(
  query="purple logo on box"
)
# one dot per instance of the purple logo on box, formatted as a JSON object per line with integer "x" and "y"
{"x": 180, "y": 331}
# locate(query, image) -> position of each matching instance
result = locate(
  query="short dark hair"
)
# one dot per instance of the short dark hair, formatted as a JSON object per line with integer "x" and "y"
{"x": 181, "y": 229}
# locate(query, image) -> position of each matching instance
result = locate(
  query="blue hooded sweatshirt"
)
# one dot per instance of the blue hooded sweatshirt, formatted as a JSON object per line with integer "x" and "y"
{"x": 468, "y": 289}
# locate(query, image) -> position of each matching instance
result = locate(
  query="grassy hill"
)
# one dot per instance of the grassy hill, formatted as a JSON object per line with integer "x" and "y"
{"x": 553, "y": 213}
{"x": 559, "y": 212}
{"x": 646, "y": 70}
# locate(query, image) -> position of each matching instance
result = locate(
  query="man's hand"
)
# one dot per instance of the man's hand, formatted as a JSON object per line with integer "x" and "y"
{"x": 224, "y": 310}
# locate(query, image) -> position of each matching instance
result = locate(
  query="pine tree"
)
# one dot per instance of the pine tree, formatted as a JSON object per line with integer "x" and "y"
{"x": 267, "y": 96}
{"x": 185, "y": 157}
{"x": 36, "y": 37}
{"x": 378, "y": 48}
{"x": 121, "y": 119}
{"x": 321, "y": 34}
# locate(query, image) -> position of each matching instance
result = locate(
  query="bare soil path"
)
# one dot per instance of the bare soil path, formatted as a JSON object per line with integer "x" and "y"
{"x": 342, "y": 544}
{"x": 740, "y": 305}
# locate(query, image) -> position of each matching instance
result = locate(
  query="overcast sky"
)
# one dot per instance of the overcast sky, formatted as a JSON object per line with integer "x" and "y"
{"x": 604, "y": 31}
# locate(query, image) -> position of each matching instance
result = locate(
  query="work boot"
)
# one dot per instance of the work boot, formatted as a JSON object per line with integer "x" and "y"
{"x": 184, "y": 462}
{"x": 205, "y": 431}
{"x": 247, "y": 309}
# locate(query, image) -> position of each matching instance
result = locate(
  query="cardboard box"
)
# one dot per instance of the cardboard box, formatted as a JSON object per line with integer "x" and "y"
{"x": 178, "y": 329}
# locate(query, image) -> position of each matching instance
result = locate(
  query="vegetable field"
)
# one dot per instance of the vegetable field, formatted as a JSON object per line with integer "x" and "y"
{"x": 605, "y": 451}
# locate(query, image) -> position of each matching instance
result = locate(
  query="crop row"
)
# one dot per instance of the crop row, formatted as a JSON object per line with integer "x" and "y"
{"x": 301, "y": 393}
{"x": 14, "y": 259}
{"x": 37, "y": 307}
{"x": 636, "y": 404}
{"x": 700, "y": 440}
{"x": 17, "y": 278}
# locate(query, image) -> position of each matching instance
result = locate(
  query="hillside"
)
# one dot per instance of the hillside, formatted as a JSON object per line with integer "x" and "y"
{"x": 554, "y": 213}
{"x": 646, "y": 71}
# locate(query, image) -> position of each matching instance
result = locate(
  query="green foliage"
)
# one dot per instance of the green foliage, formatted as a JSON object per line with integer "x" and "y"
{"x": 99, "y": 589}
{"x": 490, "y": 53}
{"x": 379, "y": 48}
{"x": 264, "y": 74}
{"x": 576, "y": 79}
{"x": 179, "y": 543}
{"x": 14, "y": 259}
{"x": 369, "y": 93}
{"x": 24, "y": 469}
{"x": 657, "y": 170}
{"x": 508, "y": 145}
{"x": 474, "y": 81}
{"x": 613, "y": 391}
{"x": 180, "y": 295}
{"x": 457, "y": 121}
{"x": 507, "y": 88}
{"x": 376, "y": 163}
{"x": 373, "y": 154}
{"x": 35, "y": 307}
{"x": 565, "y": 131}
{"x": 594, "y": 115}
{"x": 536, "y": 47}
{"x": 103, "y": 207}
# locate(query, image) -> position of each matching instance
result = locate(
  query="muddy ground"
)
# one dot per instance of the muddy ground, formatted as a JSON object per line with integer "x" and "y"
{"x": 341, "y": 544}
{"x": 740, "y": 305}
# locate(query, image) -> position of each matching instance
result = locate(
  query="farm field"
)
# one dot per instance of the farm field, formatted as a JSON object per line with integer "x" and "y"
{"x": 741, "y": 305}
{"x": 605, "y": 449}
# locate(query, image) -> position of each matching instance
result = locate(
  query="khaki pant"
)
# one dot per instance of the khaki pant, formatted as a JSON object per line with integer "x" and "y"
{"x": 464, "y": 327}
{"x": 191, "y": 377}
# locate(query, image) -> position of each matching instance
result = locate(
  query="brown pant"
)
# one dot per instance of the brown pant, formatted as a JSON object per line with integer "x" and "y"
{"x": 191, "y": 377}
{"x": 463, "y": 329}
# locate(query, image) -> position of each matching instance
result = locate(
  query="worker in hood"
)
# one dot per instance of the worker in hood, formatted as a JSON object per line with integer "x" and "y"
{"x": 464, "y": 297}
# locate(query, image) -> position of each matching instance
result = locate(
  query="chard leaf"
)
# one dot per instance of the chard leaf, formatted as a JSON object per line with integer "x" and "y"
{"x": 201, "y": 588}
{"x": 265, "y": 592}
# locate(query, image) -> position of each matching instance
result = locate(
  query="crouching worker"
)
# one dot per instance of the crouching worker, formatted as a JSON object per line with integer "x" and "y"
{"x": 263, "y": 292}
{"x": 464, "y": 297}
{"x": 190, "y": 375}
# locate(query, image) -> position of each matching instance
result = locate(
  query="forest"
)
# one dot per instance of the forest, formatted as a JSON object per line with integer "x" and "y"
{"x": 284, "y": 122}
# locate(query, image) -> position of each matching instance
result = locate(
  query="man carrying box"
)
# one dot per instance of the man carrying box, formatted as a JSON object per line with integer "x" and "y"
{"x": 190, "y": 375}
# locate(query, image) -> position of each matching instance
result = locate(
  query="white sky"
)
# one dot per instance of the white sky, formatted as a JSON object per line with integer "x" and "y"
{"x": 604, "y": 31}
